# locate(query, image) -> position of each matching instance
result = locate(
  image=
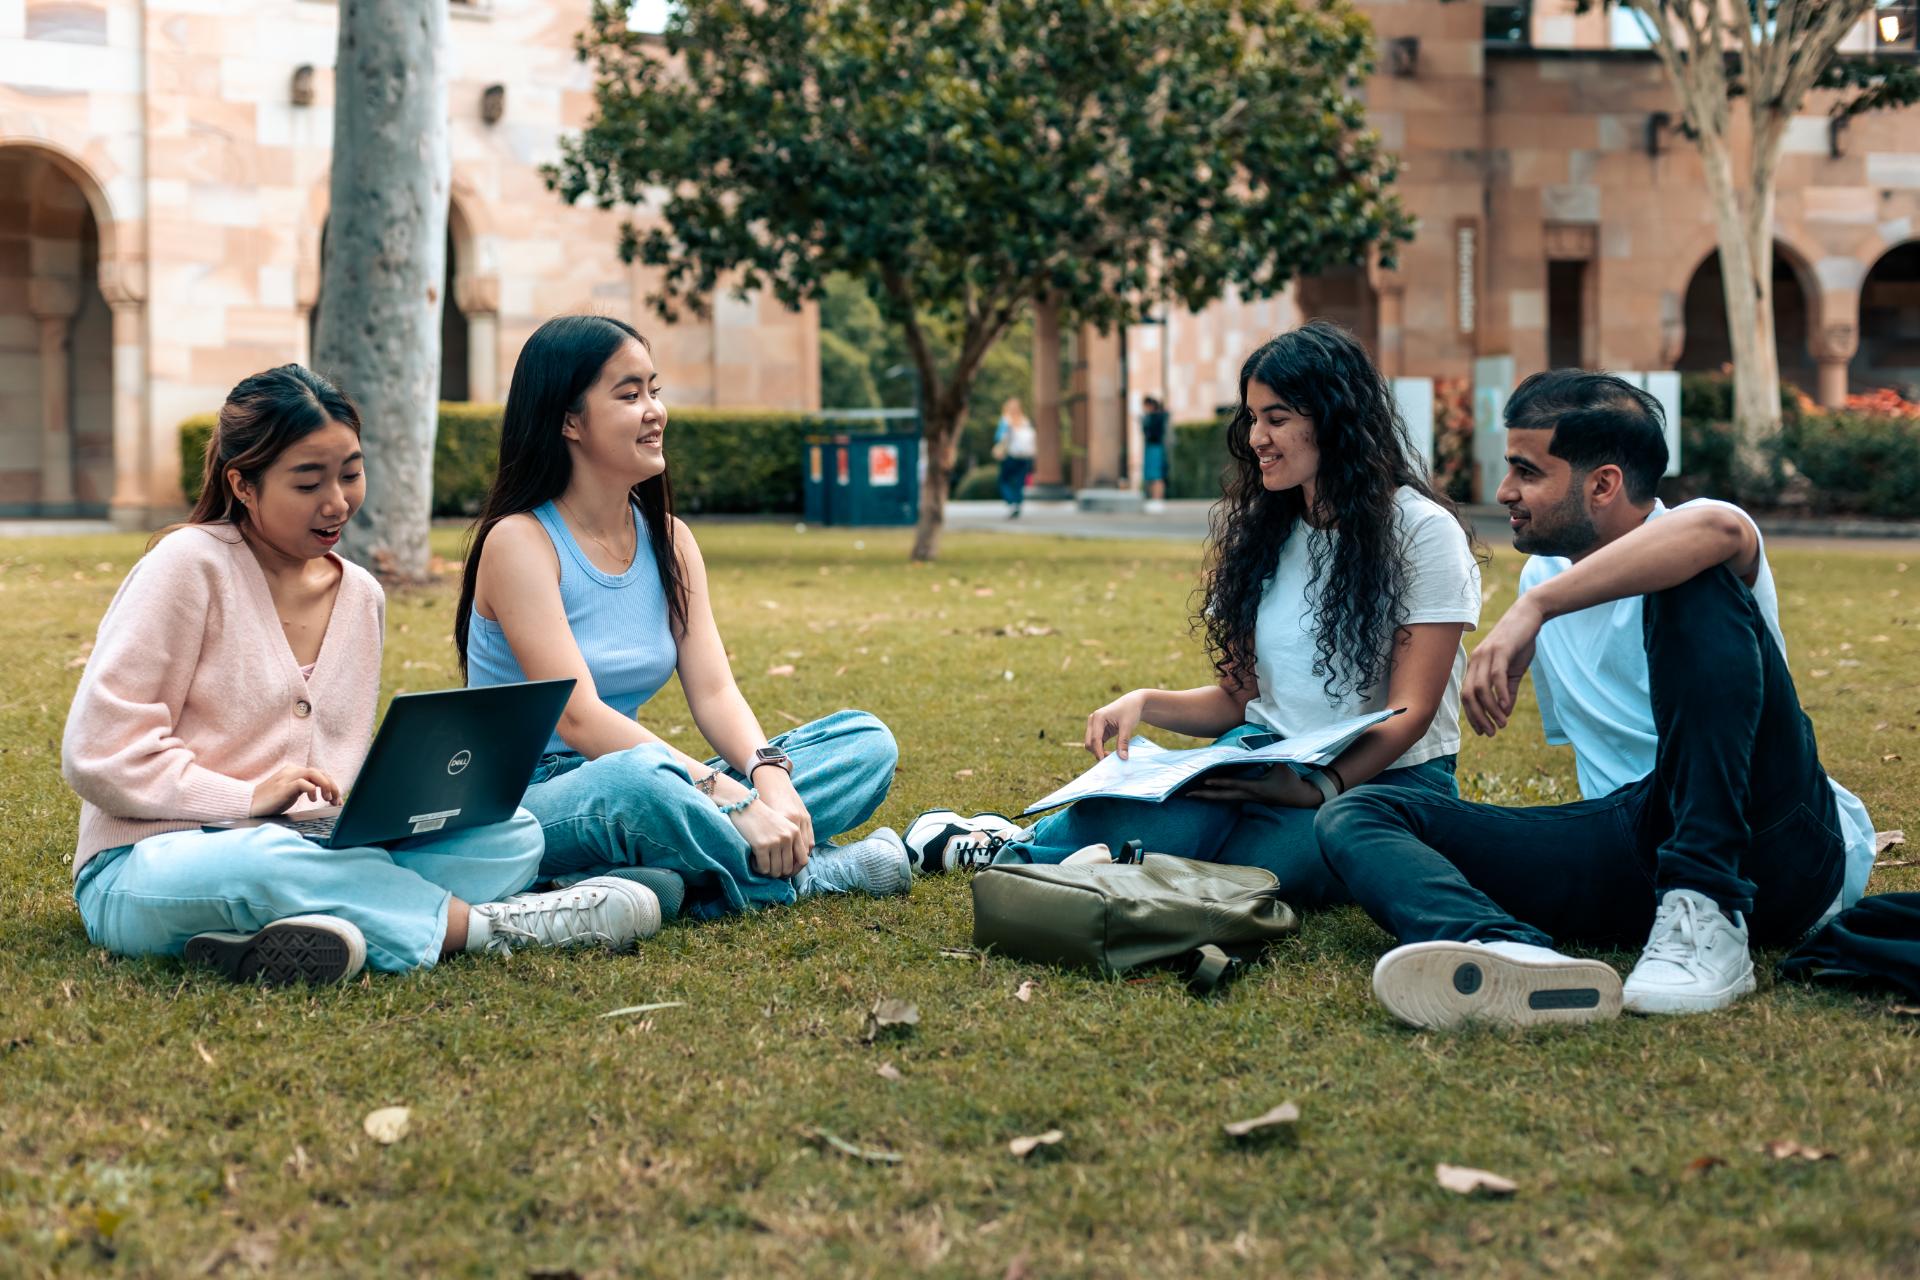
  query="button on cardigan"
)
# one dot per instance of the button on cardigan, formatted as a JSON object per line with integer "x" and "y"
{"x": 192, "y": 697}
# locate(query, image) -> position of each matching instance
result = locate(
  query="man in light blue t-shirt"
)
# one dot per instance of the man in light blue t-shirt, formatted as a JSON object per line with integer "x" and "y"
{"x": 1654, "y": 639}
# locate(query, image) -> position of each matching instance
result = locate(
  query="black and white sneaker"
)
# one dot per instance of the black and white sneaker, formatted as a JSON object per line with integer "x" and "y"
{"x": 1437, "y": 985}
{"x": 298, "y": 949}
{"x": 941, "y": 840}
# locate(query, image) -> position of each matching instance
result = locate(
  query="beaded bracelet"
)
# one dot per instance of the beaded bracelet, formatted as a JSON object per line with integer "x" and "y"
{"x": 728, "y": 810}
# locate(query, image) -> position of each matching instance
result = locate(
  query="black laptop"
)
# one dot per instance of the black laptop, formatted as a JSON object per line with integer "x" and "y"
{"x": 441, "y": 762}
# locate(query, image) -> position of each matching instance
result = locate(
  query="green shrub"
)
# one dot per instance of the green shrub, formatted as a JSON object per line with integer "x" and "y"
{"x": 1858, "y": 463}
{"x": 194, "y": 434}
{"x": 722, "y": 460}
{"x": 979, "y": 483}
{"x": 1197, "y": 455}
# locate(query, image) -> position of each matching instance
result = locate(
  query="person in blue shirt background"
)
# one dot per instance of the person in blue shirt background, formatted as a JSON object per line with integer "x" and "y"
{"x": 1654, "y": 639}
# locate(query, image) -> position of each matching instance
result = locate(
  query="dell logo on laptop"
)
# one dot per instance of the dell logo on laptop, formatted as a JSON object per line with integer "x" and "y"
{"x": 459, "y": 762}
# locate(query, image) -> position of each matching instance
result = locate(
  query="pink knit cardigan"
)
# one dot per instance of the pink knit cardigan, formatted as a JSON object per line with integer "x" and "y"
{"x": 191, "y": 696}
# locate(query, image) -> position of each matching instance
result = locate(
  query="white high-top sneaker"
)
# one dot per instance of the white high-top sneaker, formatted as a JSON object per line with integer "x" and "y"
{"x": 1510, "y": 984}
{"x": 604, "y": 911}
{"x": 1696, "y": 958}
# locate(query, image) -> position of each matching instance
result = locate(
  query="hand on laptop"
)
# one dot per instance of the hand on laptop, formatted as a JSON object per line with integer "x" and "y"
{"x": 289, "y": 784}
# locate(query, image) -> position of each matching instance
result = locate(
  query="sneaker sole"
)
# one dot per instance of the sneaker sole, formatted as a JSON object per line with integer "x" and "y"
{"x": 1667, "y": 1002}
{"x": 1437, "y": 985}
{"x": 279, "y": 954}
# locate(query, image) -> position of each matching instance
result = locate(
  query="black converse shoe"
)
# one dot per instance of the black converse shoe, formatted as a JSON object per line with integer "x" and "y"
{"x": 941, "y": 840}
{"x": 297, "y": 949}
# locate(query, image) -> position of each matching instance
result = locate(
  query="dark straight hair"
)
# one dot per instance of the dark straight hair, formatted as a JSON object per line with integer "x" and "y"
{"x": 262, "y": 418}
{"x": 557, "y": 366}
{"x": 1596, "y": 419}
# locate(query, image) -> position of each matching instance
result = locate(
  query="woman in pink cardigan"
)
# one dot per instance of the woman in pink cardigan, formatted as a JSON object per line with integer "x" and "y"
{"x": 236, "y": 675}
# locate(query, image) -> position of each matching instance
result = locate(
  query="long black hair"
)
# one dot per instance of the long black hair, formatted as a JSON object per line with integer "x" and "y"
{"x": 557, "y": 366}
{"x": 1322, "y": 372}
{"x": 264, "y": 416}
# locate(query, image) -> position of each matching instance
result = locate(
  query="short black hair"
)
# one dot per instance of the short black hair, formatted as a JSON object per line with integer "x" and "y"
{"x": 1596, "y": 419}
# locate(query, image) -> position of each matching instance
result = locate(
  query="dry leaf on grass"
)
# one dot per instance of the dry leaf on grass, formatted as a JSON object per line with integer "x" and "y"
{"x": 963, "y": 773}
{"x": 1283, "y": 1116}
{"x": 388, "y": 1125}
{"x": 889, "y": 1014}
{"x": 887, "y": 1071}
{"x": 1885, "y": 840}
{"x": 784, "y": 669}
{"x": 1788, "y": 1149}
{"x": 1024, "y": 992}
{"x": 202, "y": 1051}
{"x": 644, "y": 1008}
{"x": 872, "y": 1155}
{"x": 1024, "y": 1147}
{"x": 1464, "y": 1181}
{"x": 1701, "y": 1166}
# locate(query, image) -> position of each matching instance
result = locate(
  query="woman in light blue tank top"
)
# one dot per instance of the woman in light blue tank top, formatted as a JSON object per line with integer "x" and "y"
{"x": 578, "y": 568}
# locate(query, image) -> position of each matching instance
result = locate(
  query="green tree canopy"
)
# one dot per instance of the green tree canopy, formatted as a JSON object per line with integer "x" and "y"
{"x": 965, "y": 158}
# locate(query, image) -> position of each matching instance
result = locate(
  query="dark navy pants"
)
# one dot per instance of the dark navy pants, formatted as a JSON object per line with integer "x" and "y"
{"x": 1737, "y": 807}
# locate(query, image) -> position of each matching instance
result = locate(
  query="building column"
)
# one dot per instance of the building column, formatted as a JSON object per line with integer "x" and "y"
{"x": 53, "y": 301}
{"x": 1391, "y": 318}
{"x": 1098, "y": 378}
{"x": 478, "y": 298}
{"x": 1834, "y": 351}
{"x": 125, "y": 292}
{"x": 1047, "y": 472}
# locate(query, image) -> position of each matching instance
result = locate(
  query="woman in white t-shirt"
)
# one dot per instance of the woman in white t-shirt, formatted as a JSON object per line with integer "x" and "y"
{"x": 1015, "y": 442}
{"x": 1338, "y": 582}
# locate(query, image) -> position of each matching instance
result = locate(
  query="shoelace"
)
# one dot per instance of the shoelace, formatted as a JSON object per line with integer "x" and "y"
{"x": 976, "y": 854}
{"x": 1678, "y": 942}
{"x": 504, "y": 926}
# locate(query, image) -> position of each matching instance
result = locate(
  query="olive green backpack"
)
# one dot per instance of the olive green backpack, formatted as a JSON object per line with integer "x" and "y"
{"x": 1206, "y": 919}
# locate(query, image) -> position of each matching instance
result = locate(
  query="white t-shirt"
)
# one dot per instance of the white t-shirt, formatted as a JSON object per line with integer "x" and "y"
{"x": 1022, "y": 440}
{"x": 1590, "y": 678}
{"x": 1442, "y": 585}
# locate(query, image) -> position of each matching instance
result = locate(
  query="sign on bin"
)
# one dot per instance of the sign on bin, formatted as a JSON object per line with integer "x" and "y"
{"x": 883, "y": 465}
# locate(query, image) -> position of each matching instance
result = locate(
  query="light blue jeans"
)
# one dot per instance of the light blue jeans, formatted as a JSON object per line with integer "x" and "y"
{"x": 638, "y": 808}
{"x": 1248, "y": 835}
{"x": 148, "y": 899}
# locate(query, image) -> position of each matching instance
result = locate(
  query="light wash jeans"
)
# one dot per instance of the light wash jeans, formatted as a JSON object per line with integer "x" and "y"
{"x": 148, "y": 899}
{"x": 1248, "y": 835}
{"x": 638, "y": 808}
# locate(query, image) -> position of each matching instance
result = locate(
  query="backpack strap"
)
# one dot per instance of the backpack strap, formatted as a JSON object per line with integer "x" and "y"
{"x": 1207, "y": 969}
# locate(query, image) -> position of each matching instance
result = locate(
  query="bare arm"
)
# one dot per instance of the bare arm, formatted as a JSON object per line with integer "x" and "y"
{"x": 1206, "y": 712}
{"x": 1659, "y": 554}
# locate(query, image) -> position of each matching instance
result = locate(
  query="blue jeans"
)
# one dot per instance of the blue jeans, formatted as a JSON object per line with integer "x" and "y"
{"x": 1248, "y": 835}
{"x": 1013, "y": 480}
{"x": 1737, "y": 808}
{"x": 638, "y": 808}
{"x": 148, "y": 899}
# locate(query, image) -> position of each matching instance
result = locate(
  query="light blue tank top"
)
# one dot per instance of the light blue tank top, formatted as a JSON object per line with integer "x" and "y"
{"x": 619, "y": 623}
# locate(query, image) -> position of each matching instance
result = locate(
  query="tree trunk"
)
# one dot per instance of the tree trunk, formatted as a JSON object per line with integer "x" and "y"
{"x": 941, "y": 437}
{"x": 1746, "y": 275}
{"x": 379, "y": 329}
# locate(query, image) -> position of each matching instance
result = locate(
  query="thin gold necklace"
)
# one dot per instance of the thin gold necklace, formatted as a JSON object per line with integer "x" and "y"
{"x": 625, "y": 560}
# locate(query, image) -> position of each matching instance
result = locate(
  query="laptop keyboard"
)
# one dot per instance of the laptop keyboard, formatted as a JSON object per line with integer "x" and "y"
{"x": 315, "y": 828}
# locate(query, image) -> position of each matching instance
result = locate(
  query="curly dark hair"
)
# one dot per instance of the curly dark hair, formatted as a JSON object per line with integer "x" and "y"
{"x": 1322, "y": 372}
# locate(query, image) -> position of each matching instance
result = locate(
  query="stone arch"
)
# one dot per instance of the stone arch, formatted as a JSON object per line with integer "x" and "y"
{"x": 1699, "y": 342}
{"x": 72, "y": 437}
{"x": 1888, "y": 354}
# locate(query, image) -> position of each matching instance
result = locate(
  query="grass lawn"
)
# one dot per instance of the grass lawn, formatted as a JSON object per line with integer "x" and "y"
{"x": 156, "y": 1121}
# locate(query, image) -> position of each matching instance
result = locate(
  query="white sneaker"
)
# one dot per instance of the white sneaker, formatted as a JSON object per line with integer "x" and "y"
{"x": 604, "y": 911}
{"x": 940, "y": 839}
{"x": 878, "y": 865}
{"x": 1696, "y": 958}
{"x": 296, "y": 949}
{"x": 1510, "y": 984}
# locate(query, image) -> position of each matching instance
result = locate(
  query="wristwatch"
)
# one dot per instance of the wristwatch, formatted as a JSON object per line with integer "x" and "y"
{"x": 774, "y": 756}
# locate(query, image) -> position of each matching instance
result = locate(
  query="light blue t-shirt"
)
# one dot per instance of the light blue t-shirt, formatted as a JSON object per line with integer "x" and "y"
{"x": 1590, "y": 678}
{"x": 619, "y": 622}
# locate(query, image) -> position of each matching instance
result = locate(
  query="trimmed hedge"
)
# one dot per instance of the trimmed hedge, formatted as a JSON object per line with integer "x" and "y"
{"x": 1197, "y": 456}
{"x": 722, "y": 460}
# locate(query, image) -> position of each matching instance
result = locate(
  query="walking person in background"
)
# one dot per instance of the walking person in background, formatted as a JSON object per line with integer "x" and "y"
{"x": 1153, "y": 459}
{"x": 1014, "y": 444}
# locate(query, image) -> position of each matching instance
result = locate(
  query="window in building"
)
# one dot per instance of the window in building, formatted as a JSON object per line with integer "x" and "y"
{"x": 1566, "y": 314}
{"x": 1896, "y": 25}
{"x": 1507, "y": 23}
{"x": 648, "y": 17}
{"x": 1627, "y": 29}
